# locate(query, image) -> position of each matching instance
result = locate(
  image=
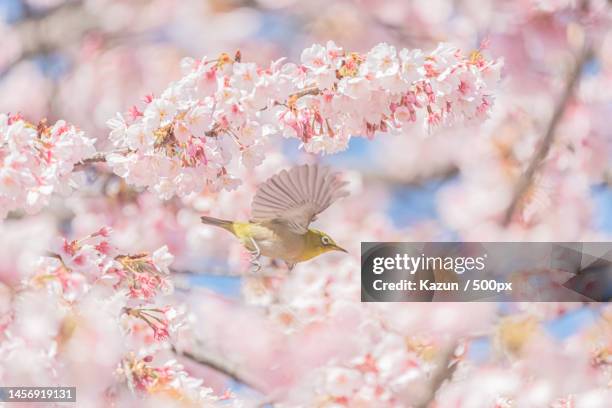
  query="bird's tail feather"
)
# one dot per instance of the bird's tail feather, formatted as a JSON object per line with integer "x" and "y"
{"x": 225, "y": 224}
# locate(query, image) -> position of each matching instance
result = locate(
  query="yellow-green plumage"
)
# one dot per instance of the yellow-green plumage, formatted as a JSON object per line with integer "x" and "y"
{"x": 277, "y": 242}
{"x": 282, "y": 209}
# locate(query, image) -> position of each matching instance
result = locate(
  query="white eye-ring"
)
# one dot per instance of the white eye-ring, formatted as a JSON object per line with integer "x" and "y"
{"x": 325, "y": 240}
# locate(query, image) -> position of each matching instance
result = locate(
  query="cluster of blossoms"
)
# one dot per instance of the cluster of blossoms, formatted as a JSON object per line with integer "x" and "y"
{"x": 170, "y": 381}
{"x": 36, "y": 161}
{"x": 185, "y": 139}
{"x": 393, "y": 356}
{"x": 141, "y": 276}
{"x": 396, "y": 349}
{"x": 87, "y": 295}
{"x": 379, "y": 377}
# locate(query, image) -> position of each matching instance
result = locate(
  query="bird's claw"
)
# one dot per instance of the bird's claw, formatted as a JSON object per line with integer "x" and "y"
{"x": 255, "y": 255}
{"x": 255, "y": 266}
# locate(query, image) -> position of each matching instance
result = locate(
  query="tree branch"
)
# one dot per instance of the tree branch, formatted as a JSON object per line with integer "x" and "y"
{"x": 527, "y": 178}
{"x": 444, "y": 372}
{"x": 402, "y": 180}
{"x": 100, "y": 157}
{"x": 205, "y": 358}
{"x": 96, "y": 158}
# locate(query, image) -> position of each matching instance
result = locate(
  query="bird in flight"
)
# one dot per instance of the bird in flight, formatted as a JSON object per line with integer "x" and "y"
{"x": 281, "y": 212}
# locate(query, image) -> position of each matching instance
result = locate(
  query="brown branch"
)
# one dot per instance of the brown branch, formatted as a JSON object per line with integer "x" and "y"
{"x": 527, "y": 178}
{"x": 99, "y": 157}
{"x": 304, "y": 92}
{"x": 96, "y": 158}
{"x": 444, "y": 372}
{"x": 607, "y": 177}
{"x": 213, "y": 361}
{"x": 402, "y": 180}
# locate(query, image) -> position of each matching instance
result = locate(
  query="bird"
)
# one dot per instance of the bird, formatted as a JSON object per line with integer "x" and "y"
{"x": 282, "y": 210}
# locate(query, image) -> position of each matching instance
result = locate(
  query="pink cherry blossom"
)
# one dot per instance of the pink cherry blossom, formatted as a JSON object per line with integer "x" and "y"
{"x": 77, "y": 296}
{"x": 107, "y": 279}
{"x": 187, "y": 137}
{"x": 37, "y": 161}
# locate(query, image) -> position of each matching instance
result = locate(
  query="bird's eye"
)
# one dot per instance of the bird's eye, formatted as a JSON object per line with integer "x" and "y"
{"x": 325, "y": 240}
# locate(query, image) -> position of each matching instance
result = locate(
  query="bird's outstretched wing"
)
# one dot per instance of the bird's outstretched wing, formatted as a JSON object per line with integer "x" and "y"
{"x": 295, "y": 197}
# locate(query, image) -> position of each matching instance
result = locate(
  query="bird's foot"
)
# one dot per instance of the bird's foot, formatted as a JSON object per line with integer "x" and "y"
{"x": 256, "y": 252}
{"x": 255, "y": 261}
{"x": 255, "y": 266}
{"x": 255, "y": 256}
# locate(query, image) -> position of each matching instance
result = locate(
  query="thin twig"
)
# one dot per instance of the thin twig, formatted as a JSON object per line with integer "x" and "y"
{"x": 96, "y": 158}
{"x": 607, "y": 177}
{"x": 201, "y": 356}
{"x": 527, "y": 178}
{"x": 304, "y": 92}
{"x": 99, "y": 157}
{"x": 400, "y": 180}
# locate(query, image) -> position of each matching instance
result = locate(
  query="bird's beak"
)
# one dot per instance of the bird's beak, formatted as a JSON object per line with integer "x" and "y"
{"x": 339, "y": 248}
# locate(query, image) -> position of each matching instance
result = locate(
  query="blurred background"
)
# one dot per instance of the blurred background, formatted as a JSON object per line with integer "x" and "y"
{"x": 84, "y": 61}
